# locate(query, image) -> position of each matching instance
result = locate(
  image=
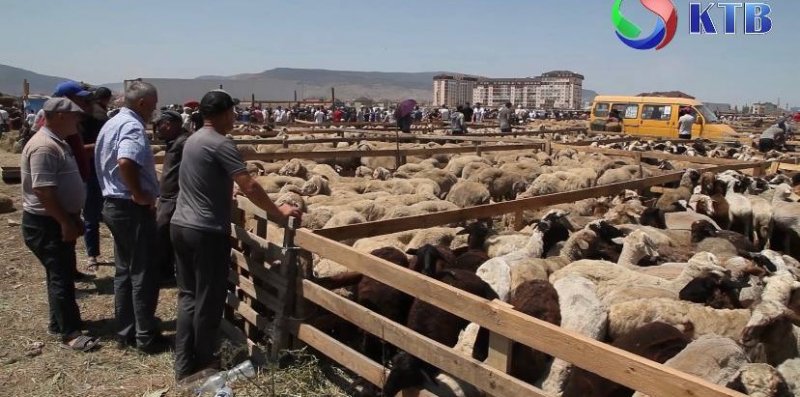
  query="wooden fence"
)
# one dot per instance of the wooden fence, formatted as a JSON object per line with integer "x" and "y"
{"x": 261, "y": 295}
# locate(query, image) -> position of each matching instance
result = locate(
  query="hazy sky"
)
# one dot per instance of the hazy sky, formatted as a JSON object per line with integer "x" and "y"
{"x": 103, "y": 41}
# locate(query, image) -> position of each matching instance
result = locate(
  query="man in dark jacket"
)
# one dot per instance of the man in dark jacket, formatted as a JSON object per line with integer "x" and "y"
{"x": 169, "y": 128}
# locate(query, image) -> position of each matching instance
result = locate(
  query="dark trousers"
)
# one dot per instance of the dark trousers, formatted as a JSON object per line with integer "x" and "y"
{"x": 92, "y": 215}
{"x": 404, "y": 123}
{"x": 766, "y": 144}
{"x": 136, "y": 276}
{"x": 203, "y": 263}
{"x": 42, "y": 235}
{"x": 165, "y": 256}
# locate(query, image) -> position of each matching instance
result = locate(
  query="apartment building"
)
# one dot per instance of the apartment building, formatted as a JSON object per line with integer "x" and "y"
{"x": 551, "y": 90}
{"x": 453, "y": 90}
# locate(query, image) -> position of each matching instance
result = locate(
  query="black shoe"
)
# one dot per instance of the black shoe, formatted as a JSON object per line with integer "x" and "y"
{"x": 125, "y": 342}
{"x": 168, "y": 282}
{"x": 159, "y": 344}
{"x": 78, "y": 276}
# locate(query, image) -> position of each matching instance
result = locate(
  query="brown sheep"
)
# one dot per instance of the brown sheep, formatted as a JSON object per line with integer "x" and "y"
{"x": 539, "y": 299}
{"x": 439, "y": 325}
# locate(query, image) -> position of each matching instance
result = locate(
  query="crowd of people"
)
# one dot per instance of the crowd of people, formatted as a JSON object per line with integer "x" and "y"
{"x": 81, "y": 166}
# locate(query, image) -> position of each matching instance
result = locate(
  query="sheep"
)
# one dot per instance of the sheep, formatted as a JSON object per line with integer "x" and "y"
{"x": 501, "y": 185}
{"x": 381, "y": 174}
{"x": 421, "y": 208}
{"x": 364, "y": 172}
{"x": 683, "y": 192}
{"x": 468, "y": 194}
{"x": 790, "y": 369}
{"x": 581, "y": 312}
{"x": 617, "y": 283}
{"x": 442, "y": 326}
{"x": 713, "y": 291}
{"x": 457, "y": 164}
{"x": 326, "y": 171}
{"x": 274, "y": 183}
{"x": 786, "y": 217}
{"x": 762, "y": 220}
{"x": 760, "y": 380}
{"x": 623, "y": 174}
{"x": 771, "y": 323}
{"x": 316, "y": 185}
{"x": 474, "y": 254}
{"x": 294, "y": 168}
{"x": 714, "y": 358}
{"x": 536, "y": 298}
{"x": 658, "y": 342}
{"x": 560, "y": 181}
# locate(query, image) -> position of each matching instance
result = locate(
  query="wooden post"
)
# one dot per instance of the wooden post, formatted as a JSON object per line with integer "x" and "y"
{"x": 500, "y": 347}
{"x": 280, "y": 326}
{"x": 519, "y": 220}
{"x": 253, "y": 100}
{"x": 477, "y": 148}
{"x": 548, "y": 147}
{"x": 639, "y": 163}
{"x": 333, "y": 97}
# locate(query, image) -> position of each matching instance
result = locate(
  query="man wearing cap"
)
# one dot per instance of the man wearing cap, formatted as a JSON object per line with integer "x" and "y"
{"x": 201, "y": 231}
{"x": 52, "y": 198}
{"x": 126, "y": 171}
{"x": 92, "y": 210}
{"x": 169, "y": 128}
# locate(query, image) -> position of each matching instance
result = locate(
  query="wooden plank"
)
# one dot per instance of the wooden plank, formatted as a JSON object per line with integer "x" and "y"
{"x": 247, "y": 312}
{"x": 237, "y": 336}
{"x": 259, "y": 271}
{"x": 339, "y": 154}
{"x": 607, "y": 361}
{"x": 500, "y": 347}
{"x": 468, "y": 369}
{"x": 255, "y": 292}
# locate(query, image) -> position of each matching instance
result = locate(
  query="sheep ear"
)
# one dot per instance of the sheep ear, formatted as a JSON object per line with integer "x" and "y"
{"x": 462, "y": 232}
{"x": 412, "y": 251}
{"x": 583, "y": 244}
{"x": 618, "y": 240}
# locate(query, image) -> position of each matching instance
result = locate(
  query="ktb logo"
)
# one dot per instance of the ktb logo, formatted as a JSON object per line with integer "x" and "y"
{"x": 756, "y": 18}
{"x": 664, "y": 32}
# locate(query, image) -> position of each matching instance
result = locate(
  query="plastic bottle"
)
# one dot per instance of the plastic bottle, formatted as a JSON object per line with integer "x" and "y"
{"x": 217, "y": 382}
{"x": 225, "y": 391}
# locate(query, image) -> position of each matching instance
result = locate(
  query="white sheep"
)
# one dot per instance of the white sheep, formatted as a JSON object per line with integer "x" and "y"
{"x": 790, "y": 369}
{"x": 581, "y": 312}
{"x": 469, "y": 194}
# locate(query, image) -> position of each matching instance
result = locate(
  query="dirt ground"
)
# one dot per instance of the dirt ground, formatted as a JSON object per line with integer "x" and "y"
{"x": 32, "y": 363}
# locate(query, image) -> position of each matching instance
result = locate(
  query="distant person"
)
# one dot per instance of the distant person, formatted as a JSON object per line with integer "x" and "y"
{"x": 319, "y": 116}
{"x": 504, "y": 117}
{"x": 126, "y": 172}
{"x": 200, "y": 231}
{"x": 5, "y": 120}
{"x": 82, "y": 97}
{"x": 404, "y": 122}
{"x": 170, "y": 130}
{"x": 774, "y": 137}
{"x": 52, "y": 198}
{"x": 467, "y": 109}
{"x": 445, "y": 114}
{"x": 797, "y": 117}
{"x": 457, "y": 121}
{"x": 685, "y": 123}
{"x": 92, "y": 210}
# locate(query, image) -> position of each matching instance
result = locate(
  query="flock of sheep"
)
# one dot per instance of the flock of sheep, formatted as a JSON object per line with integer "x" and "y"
{"x": 704, "y": 278}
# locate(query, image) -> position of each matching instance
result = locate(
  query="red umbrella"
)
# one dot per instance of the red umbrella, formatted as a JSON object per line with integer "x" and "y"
{"x": 192, "y": 104}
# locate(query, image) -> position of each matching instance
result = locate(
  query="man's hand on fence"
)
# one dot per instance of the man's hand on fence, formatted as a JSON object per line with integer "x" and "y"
{"x": 288, "y": 210}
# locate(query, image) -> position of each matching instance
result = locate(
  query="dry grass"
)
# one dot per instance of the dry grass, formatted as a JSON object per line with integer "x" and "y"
{"x": 32, "y": 363}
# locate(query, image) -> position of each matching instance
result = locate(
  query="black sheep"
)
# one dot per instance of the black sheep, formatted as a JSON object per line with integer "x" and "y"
{"x": 431, "y": 259}
{"x": 474, "y": 254}
{"x": 713, "y": 291}
{"x": 442, "y": 326}
{"x": 702, "y": 230}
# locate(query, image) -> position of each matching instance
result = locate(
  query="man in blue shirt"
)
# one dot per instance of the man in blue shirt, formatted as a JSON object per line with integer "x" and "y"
{"x": 126, "y": 172}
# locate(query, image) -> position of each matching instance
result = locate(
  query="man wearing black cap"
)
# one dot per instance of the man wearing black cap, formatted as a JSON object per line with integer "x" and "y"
{"x": 52, "y": 198}
{"x": 92, "y": 211}
{"x": 169, "y": 128}
{"x": 201, "y": 229}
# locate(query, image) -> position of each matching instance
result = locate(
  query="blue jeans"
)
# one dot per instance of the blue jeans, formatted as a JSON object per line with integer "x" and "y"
{"x": 92, "y": 215}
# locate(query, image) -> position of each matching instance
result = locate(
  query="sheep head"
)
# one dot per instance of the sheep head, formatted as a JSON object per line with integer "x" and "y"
{"x": 642, "y": 243}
